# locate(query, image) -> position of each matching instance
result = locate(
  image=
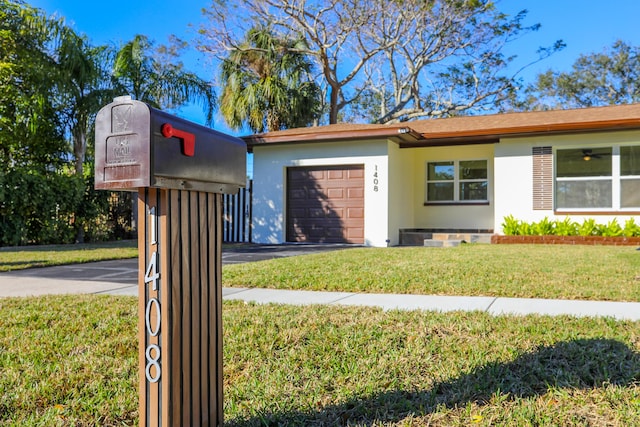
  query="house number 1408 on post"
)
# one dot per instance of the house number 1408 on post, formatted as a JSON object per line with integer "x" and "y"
{"x": 152, "y": 311}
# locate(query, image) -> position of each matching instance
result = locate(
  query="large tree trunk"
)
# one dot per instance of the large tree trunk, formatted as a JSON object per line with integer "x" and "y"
{"x": 333, "y": 106}
{"x": 79, "y": 149}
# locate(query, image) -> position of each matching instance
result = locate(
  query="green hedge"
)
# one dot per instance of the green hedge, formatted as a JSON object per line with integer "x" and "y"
{"x": 566, "y": 227}
{"x": 54, "y": 207}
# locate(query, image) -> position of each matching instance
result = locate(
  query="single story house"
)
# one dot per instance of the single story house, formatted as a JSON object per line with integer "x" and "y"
{"x": 368, "y": 183}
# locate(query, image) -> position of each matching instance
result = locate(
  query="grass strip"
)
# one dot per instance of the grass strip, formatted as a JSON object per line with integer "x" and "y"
{"x": 71, "y": 360}
{"x": 18, "y": 258}
{"x": 526, "y": 271}
{"x": 68, "y": 361}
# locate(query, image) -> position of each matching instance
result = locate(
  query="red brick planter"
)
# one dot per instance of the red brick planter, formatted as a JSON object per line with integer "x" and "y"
{"x": 567, "y": 240}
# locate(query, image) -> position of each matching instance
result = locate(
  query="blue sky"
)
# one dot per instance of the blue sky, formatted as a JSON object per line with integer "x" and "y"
{"x": 585, "y": 25}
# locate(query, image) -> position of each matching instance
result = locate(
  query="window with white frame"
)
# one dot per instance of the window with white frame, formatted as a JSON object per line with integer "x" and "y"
{"x": 598, "y": 178}
{"x": 457, "y": 181}
{"x": 630, "y": 177}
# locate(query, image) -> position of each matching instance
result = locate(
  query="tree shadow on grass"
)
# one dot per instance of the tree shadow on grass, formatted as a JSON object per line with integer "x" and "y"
{"x": 577, "y": 364}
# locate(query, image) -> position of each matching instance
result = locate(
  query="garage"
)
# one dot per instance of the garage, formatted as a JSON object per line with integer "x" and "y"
{"x": 325, "y": 204}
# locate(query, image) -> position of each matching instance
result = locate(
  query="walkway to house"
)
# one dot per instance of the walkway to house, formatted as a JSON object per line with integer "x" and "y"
{"x": 120, "y": 278}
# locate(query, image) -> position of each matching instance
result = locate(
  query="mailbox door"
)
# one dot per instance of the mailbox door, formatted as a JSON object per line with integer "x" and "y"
{"x": 122, "y": 146}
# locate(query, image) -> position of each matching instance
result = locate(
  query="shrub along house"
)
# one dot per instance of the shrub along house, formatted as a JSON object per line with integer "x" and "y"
{"x": 379, "y": 185}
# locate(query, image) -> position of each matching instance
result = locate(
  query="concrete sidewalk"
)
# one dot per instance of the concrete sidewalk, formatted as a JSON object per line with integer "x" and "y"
{"x": 119, "y": 278}
{"x": 492, "y": 305}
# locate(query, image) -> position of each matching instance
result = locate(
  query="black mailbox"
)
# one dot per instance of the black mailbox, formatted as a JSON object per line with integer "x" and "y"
{"x": 138, "y": 146}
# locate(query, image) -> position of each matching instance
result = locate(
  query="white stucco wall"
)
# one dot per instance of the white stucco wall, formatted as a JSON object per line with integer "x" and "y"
{"x": 513, "y": 170}
{"x": 458, "y": 216}
{"x": 269, "y": 192}
{"x": 513, "y": 181}
{"x": 401, "y": 190}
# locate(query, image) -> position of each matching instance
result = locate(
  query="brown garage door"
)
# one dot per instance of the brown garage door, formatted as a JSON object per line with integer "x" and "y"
{"x": 325, "y": 204}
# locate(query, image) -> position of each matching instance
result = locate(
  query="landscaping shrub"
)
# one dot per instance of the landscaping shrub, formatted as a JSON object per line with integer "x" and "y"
{"x": 566, "y": 227}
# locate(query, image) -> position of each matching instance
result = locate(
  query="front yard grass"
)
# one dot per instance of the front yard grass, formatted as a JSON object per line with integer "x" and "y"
{"x": 72, "y": 361}
{"x": 526, "y": 271}
{"x": 18, "y": 258}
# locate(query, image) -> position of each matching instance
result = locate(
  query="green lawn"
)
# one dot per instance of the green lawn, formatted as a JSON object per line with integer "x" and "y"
{"x": 71, "y": 361}
{"x": 528, "y": 271}
{"x": 18, "y": 258}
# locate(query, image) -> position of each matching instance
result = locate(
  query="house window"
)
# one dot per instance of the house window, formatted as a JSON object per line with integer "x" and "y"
{"x": 630, "y": 177}
{"x": 598, "y": 178}
{"x": 457, "y": 181}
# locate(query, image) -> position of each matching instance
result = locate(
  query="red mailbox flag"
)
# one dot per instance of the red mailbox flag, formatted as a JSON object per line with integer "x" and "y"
{"x": 188, "y": 139}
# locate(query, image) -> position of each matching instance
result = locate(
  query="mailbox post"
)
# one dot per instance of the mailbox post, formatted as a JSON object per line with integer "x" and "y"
{"x": 179, "y": 170}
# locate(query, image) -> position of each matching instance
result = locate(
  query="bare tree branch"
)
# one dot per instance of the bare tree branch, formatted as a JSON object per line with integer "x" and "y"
{"x": 431, "y": 58}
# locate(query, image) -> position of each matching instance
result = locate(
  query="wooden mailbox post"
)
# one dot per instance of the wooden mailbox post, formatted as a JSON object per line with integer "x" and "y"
{"x": 179, "y": 170}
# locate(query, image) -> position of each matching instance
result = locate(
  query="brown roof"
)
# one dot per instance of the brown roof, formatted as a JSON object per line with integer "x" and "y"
{"x": 465, "y": 129}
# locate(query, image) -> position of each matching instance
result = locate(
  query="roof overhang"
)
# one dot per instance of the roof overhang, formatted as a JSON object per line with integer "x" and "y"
{"x": 492, "y": 136}
{"x": 464, "y": 130}
{"x": 400, "y": 135}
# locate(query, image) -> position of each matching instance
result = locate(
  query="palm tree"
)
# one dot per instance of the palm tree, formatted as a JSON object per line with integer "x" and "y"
{"x": 267, "y": 85}
{"x": 161, "y": 84}
{"x": 84, "y": 81}
{"x": 84, "y": 84}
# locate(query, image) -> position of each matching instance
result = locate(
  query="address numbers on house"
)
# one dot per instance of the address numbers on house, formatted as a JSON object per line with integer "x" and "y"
{"x": 376, "y": 179}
